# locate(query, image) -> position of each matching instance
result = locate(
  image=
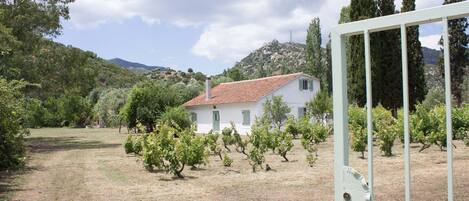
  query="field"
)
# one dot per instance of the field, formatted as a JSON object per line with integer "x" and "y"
{"x": 90, "y": 164}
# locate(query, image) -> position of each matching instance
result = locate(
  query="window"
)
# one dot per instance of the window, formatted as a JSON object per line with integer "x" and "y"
{"x": 301, "y": 112}
{"x": 306, "y": 84}
{"x": 246, "y": 117}
{"x": 194, "y": 117}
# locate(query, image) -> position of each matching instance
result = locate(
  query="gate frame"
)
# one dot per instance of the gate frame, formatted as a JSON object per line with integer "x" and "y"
{"x": 340, "y": 99}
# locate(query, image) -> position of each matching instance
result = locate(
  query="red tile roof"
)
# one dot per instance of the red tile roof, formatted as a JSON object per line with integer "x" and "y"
{"x": 243, "y": 91}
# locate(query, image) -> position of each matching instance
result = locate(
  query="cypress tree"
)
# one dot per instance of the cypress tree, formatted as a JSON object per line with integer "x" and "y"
{"x": 388, "y": 62}
{"x": 359, "y": 10}
{"x": 328, "y": 66}
{"x": 417, "y": 83}
{"x": 314, "y": 51}
{"x": 459, "y": 57}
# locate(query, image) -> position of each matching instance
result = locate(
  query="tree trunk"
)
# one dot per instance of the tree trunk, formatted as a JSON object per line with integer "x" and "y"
{"x": 178, "y": 172}
{"x": 284, "y": 155}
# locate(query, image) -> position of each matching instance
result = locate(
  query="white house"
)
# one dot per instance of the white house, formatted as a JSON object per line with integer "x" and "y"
{"x": 241, "y": 102}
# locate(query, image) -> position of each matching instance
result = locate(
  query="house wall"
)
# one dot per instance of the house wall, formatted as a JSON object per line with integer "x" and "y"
{"x": 228, "y": 113}
{"x": 292, "y": 95}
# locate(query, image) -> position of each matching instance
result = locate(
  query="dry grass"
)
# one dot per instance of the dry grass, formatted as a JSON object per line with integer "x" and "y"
{"x": 90, "y": 164}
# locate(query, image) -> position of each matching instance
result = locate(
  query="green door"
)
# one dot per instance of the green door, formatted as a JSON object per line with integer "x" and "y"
{"x": 216, "y": 121}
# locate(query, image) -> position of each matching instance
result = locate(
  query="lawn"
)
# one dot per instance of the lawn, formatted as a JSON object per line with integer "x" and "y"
{"x": 90, "y": 164}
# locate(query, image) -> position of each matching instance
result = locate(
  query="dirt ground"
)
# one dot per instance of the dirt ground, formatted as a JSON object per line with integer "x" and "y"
{"x": 90, "y": 164}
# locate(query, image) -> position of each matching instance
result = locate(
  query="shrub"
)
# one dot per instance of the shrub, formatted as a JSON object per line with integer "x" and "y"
{"x": 211, "y": 140}
{"x": 137, "y": 144}
{"x": 460, "y": 122}
{"x": 259, "y": 140}
{"x": 241, "y": 145}
{"x": 358, "y": 129}
{"x": 312, "y": 135}
{"x": 34, "y": 113}
{"x": 385, "y": 129}
{"x": 227, "y": 137}
{"x": 76, "y": 110}
{"x": 128, "y": 145}
{"x": 227, "y": 161}
{"x": 12, "y": 149}
{"x": 285, "y": 144}
{"x": 176, "y": 117}
{"x": 292, "y": 127}
{"x": 428, "y": 126}
{"x": 162, "y": 150}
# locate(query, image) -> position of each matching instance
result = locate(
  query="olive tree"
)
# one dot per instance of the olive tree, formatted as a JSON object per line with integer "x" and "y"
{"x": 275, "y": 111}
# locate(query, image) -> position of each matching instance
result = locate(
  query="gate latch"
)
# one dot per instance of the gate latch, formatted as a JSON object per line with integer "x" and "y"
{"x": 355, "y": 186}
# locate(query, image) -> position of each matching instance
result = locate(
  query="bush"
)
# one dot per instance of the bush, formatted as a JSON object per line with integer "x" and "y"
{"x": 176, "y": 117}
{"x": 292, "y": 127}
{"x": 137, "y": 144}
{"x": 227, "y": 161}
{"x": 259, "y": 139}
{"x": 128, "y": 145}
{"x": 385, "y": 129}
{"x": 428, "y": 126}
{"x": 34, "y": 113}
{"x": 285, "y": 144}
{"x": 211, "y": 140}
{"x": 358, "y": 129}
{"x": 162, "y": 150}
{"x": 227, "y": 137}
{"x": 312, "y": 135}
{"x": 12, "y": 149}
{"x": 460, "y": 122}
{"x": 241, "y": 145}
{"x": 76, "y": 110}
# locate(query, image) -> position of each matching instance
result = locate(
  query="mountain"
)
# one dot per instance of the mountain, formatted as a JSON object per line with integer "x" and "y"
{"x": 272, "y": 59}
{"x": 430, "y": 56}
{"x": 275, "y": 58}
{"x": 136, "y": 67}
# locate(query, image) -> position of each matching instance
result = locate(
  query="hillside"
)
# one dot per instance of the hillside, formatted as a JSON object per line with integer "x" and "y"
{"x": 281, "y": 58}
{"x": 430, "y": 56}
{"x": 273, "y": 58}
{"x": 136, "y": 67}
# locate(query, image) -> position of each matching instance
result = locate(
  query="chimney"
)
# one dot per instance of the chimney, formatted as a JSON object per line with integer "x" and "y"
{"x": 208, "y": 89}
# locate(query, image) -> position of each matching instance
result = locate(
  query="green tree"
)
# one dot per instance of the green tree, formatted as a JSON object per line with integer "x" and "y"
{"x": 12, "y": 149}
{"x": 314, "y": 52}
{"x": 417, "y": 83}
{"x": 328, "y": 66}
{"x": 387, "y": 60}
{"x": 109, "y": 105}
{"x": 75, "y": 110}
{"x": 147, "y": 101}
{"x": 177, "y": 117}
{"x": 320, "y": 106}
{"x": 360, "y": 10}
{"x": 459, "y": 56}
{"x": 275, "y": 111}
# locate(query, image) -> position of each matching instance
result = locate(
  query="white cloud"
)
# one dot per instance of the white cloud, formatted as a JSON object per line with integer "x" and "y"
{"x": 231, "y": 28}
{"x": 431, "y": 41}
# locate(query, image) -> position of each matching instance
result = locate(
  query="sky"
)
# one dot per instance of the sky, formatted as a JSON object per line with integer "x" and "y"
{"x": 206, "y": 35}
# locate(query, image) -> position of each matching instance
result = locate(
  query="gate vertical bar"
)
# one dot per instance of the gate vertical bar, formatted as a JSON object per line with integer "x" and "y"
{"x": 339, "y": 79}
{"x": 369, "y": 106}
{"x": 405, "y": 95}
{"x": 449, "y": 129}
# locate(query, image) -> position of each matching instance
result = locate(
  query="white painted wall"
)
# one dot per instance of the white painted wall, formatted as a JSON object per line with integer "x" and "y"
{"x": 233, "y": 112}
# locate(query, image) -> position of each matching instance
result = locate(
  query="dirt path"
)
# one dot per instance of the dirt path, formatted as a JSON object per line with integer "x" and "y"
{"x": 90, "y": 164}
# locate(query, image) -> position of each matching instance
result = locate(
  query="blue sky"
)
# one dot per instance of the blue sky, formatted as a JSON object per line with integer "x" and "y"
{"x": 206, "y": 35}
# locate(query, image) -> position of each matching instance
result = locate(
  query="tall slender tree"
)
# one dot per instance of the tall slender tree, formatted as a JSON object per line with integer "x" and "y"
{"x": 417, "y": 83}
{"x": 359, "y": 10}
{"x": 459, "y": 57}
{"x": 388, "y": 82}
{"x": 328, "y": 66}
{"x": 314, "y": 51}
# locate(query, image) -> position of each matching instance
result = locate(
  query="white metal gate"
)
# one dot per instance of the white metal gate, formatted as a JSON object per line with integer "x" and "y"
{"x": 339, "y": 69}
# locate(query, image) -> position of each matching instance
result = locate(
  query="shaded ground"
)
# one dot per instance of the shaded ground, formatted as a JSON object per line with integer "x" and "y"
{"x": 90, "y": 164}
